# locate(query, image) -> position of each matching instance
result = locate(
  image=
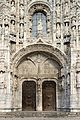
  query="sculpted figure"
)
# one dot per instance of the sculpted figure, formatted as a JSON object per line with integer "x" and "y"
{"x": 66, "y": 8}
{"x": 13, "y": 10}
{"x": 12, "y": 26}
{"x": 6, "y": 30}
{"x": 67, "y": 29}
{"x": 40, "y": 27}
{"x": 0, "y": 29}
{"x": 58, "y": 10}
{"x": 21, "y": 30}
{"x": 21, "y": 11}
{"x": 74, "y": 31}
{"x": 58, "y": 32}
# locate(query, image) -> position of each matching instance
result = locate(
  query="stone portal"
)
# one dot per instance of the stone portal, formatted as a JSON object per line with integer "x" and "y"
{"x": 38, "y": 74}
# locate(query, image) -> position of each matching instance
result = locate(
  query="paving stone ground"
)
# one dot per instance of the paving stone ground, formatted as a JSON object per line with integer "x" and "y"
{"x": 39, "y": 116}
{"x": 42, "y": 118}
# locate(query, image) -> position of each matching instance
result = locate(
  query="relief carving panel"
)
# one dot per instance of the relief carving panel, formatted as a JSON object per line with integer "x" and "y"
{"x": 38, "y": 64}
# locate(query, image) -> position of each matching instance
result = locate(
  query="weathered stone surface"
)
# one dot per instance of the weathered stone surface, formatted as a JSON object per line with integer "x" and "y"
{"x": 40, "y": 42}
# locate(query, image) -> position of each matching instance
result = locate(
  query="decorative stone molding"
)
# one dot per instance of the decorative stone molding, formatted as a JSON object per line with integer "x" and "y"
{"x": 42, "y": 7}
{"x": 40, "y": 47}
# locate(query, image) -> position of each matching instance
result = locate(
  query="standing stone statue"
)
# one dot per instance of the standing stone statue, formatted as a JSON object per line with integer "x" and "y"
{"x": 66, "y": 8}
{"x": 0, "y": 29}
{"x": 13, "y": 26}
{"x": 58, "y": 31}
{"x": 74, "y": 31}
{"x": 13, "y": 9}
{"x": 6, "y": 30}
{"x": 40, "y": 27}
{"x": 21, "y": 11}
{"x": 58, "y": 10}
{"x": 21, "y": 30}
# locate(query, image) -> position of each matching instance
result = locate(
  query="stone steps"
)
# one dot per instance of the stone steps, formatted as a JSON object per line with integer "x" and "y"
{"x": 33, "y": 114}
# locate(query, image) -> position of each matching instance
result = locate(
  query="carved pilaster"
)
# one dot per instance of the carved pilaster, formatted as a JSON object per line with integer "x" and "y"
{"x": 39, "y": 95}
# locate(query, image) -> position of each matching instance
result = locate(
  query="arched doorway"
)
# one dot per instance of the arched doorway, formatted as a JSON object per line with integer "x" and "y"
{"x": 35, "y": 62}
{"x": 29, "y": 96}
{"x": 49, "y": 96}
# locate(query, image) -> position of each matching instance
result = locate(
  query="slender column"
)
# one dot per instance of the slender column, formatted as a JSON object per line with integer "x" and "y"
{"x": 17, "y": 25}
{"x": 39, "y": 95}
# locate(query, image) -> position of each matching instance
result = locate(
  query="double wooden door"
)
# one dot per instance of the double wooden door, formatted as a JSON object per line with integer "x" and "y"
{"x": 29, "y": 96}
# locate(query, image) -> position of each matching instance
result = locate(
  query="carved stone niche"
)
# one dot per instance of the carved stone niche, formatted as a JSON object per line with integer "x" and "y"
{"x": 58, "y": 30}
{"x": 12, "y": 28}
{"x": 58, "y": 10}
{"x": 6, "y": 19}
{"x": 66, "y": 8}
{"x": 21, "y": 11}
{"x": 13, "y": 9}
{"x": 0, "y": 29}
{"x": 61, "y": 83}
{"x": 67, "y": 27}
{"x": 79, "y": 32}
{"x": 6, "y": 29}
{"x": 40, "y": 8}
{"x": 78, "y": 73}
{"x": 78, "y": 78}
{"x": 21, "y": 31}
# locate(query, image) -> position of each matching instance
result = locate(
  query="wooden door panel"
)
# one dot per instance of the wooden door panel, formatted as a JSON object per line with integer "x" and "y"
{"x": 29, "y": 96}
{"x": 49, "y": 96}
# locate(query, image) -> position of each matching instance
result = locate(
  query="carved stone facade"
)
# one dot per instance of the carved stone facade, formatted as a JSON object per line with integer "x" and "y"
{"x": 40, "y": 55}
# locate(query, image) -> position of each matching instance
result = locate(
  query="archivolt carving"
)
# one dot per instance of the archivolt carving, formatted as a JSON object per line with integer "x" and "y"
{"x": 42, "y": 7}
{"x": 39, "y": 6}
{"x": 34, "y": 56}
{"x": 37, "y": 65}
{"x": 60, "y": 57}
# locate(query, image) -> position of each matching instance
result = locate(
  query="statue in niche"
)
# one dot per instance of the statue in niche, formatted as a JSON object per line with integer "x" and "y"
{"x": 79, "y": 32}
{"x": 66, "y": 8}
{"x": 21, "y": 11}
{"x": 13, "y": 26}
{"x": 58, "y": 31}
{"x": 13, "y": 10}
{"x": 58, "y": 10}
{"x": 40, "y": 26}
{"x": 67, "y": 28}
{"x": 6, "y": 20}
{"x": 78, "y": 78}
{"x": 74, "y": 31}
{"x": 6, "y": 30}
{"x": 15, "y": 84}
{"x": 21, "y": 30}
{"x": 0, "y": 29}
